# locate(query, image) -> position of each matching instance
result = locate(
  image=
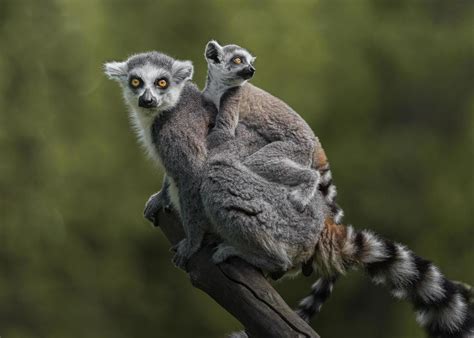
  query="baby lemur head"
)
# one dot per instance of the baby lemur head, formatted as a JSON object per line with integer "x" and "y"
{"x": 151, "y": 82}
{"x": 231, "y": 65}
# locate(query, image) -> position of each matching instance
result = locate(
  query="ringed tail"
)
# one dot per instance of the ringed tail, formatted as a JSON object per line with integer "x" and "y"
{"x": 442, "y": 306}
{"x": 329, "y": 191}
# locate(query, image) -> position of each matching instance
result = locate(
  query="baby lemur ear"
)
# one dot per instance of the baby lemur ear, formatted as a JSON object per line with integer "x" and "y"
{"x": 182, "y": 71}
{"x": 115, "y": 70}
{"x": 213, "y": 51}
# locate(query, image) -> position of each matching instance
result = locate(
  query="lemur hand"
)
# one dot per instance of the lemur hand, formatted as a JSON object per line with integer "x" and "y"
{"x": 154, "y": 205}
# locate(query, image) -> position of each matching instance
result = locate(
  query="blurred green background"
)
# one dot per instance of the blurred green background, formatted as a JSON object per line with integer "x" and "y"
{"x": 386, "y": 85}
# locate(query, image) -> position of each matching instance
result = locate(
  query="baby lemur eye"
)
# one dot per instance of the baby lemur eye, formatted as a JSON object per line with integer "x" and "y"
{"x": 237, "y": 60}
{"x": 162, "y": 83}
{"x": 135, "y": 82}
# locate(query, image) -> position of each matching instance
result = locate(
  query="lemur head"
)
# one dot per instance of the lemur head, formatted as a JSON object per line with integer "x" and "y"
{"x": 231, "y": 64}
{"x": 151, "y": 82}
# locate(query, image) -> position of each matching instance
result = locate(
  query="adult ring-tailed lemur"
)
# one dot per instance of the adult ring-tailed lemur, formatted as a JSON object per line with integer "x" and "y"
{"x": 173, "y": 122}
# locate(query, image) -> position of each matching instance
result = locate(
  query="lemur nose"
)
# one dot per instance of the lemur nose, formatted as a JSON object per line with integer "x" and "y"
{"x": 247, "y": 72}
{"x": 147, "y": 100}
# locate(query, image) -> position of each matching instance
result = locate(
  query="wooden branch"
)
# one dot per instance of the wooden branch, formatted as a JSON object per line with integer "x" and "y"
{"x": 241, "y": 289}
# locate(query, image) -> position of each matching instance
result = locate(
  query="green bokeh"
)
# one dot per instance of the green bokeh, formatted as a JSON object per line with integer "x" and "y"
{"x": 386, "y": 85}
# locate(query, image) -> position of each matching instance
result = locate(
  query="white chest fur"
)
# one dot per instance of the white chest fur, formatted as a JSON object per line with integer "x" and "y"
{"x": 142, "y": 125}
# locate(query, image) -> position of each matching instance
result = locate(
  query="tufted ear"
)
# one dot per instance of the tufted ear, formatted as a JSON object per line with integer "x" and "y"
{"x": 213, "y": 51}
{"x": 182, "y": 71}
{"x": 115, "y": 70}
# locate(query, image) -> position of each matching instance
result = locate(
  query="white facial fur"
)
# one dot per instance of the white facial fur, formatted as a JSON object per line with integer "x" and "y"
{"x": 148, "y": 73}
{"x": 176, "y": 73}
{"x": 222, "y": 72}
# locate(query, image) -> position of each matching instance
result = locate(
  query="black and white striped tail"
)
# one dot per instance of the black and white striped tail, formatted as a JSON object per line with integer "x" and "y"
{"x": 322, "y": 289}
{"x": 329, "y": 191}
{"x": 320, "y": 292}
{"x": 442, "y": 306}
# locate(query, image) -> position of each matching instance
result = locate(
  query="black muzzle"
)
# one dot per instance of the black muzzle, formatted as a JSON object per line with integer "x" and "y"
{"x": 247, "y": 72}
{"x": 147, "y": 100}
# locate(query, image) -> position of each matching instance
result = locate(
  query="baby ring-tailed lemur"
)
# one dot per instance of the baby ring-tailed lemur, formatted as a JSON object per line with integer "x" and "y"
{"x": 293, "y": 149}
{"x": 172, "y": 123}
{"x": 250, "y": 214}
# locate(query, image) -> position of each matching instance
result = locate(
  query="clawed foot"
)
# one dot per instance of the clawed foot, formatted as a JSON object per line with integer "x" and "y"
{"x": 153, "y": 206}
{"x": 184, "y": 250}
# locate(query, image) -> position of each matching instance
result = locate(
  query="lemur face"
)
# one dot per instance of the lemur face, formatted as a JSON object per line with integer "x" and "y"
{"x": 231, "y": 64}
{"x": 151, "y": 82}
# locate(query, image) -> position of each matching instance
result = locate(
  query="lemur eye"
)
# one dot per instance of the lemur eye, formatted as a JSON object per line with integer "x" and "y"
{"x": 237, "y": 60}
{"x": 162, "y": 83}
{"x": 135, "y": 82}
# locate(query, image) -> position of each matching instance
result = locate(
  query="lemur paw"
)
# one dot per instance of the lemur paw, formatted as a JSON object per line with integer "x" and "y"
{"x": 223, "y": 252}
{"x": 180, "y": 258}
{"x": 180, "y": 261}
{"x": 155, "y": 204}
{"x": 299, "y": 202}
{"x": 184, "y": 250}
{"x": 302, "y": 196}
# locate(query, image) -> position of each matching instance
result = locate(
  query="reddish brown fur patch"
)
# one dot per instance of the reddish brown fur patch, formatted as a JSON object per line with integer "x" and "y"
{"x": 320, "y": 160}
{"x": 337, "y": 232}
{"x": 328, "y": 250}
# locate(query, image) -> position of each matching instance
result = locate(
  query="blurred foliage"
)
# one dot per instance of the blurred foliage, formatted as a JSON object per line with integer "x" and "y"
{"x": 386, "y": 85}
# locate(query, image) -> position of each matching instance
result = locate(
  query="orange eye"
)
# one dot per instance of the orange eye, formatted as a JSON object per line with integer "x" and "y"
{"x": 135, "y": 83}
{"x": 237, "y": 61}
{"x": 162, "y": 83}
